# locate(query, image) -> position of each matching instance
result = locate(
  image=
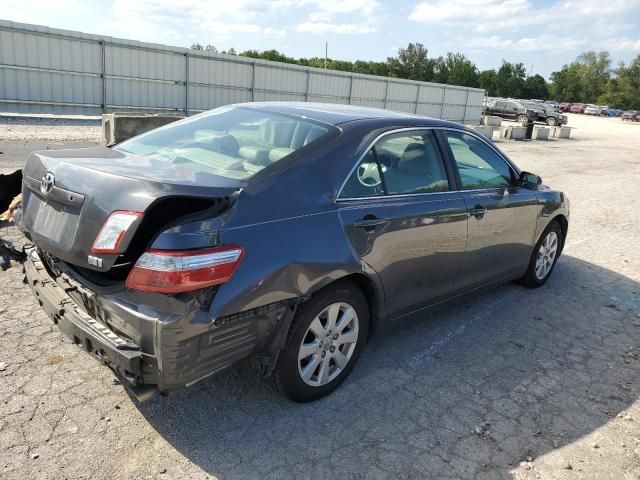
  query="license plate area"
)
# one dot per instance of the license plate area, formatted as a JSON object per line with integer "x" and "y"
{"x": 53, "y": 223}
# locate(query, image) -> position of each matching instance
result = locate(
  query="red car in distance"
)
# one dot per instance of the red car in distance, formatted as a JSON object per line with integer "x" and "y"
{"x": 577, "y": 108}
{"x": 565, "y": 106}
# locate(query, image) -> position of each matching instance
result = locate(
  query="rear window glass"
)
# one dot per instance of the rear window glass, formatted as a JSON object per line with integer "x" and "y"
{"x": 232, "y": 142}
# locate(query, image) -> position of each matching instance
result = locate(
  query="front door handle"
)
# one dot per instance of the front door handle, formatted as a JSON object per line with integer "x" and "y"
{"x": 369, "y": 222}
{"x": 478, "y": 211}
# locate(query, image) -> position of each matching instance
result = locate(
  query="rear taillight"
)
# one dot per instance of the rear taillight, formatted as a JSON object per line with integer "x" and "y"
{"x": 168, "y": 271}
{"x": 113, "y": 230}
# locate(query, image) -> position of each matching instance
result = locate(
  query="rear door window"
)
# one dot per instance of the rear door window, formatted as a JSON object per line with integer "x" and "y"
{"x": 400, "y": 163}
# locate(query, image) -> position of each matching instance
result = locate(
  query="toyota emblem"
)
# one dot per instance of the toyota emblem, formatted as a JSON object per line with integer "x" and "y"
{"x": 47, "y": 183}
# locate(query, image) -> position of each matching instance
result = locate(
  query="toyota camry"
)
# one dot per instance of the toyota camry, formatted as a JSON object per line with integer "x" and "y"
{"x": 280, "y": 233}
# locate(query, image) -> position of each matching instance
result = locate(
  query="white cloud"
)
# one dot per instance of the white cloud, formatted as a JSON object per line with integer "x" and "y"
{"x": 191, "y": 19}
{"x": 623, "y": 43}
{"x": 319, "y": 28}
{"x": 339, "y": 16}
{"x": 524, "y": 25}
{"x": 526, "y": 44}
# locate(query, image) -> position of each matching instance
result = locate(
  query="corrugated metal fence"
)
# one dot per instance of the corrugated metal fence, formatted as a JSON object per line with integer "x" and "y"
{"x": 46, "y": 70}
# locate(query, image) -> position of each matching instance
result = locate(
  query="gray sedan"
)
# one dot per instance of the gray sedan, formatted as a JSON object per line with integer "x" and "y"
{"x": 283, "y": 233}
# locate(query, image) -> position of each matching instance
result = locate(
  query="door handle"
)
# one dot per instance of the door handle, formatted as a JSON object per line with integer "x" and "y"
{"x": 478, "y": 211}
{"x": 369, "y": 222}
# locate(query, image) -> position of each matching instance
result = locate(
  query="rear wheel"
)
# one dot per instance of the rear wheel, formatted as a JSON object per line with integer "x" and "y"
{"x": 544, "y": 257}
{"x": 552, "y": 122}
{"x": 522, "y": 118}
{"x": 325, "y": 340}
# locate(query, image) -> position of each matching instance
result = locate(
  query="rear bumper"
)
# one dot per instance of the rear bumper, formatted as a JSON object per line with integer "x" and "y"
{"x": 122, "y": 356}
{"x": 176, "y": 348}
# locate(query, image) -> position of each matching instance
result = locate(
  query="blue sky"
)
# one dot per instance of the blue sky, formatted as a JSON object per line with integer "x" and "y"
{"x": 544, "y": 34}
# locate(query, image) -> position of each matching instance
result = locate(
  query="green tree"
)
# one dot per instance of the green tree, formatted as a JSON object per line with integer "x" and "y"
{"x": 595, "y": 73}
{"x": 206, "y": 48}
{"x": 488, "y": 79}
{"x": 413, "y": 63}
{"x": 510, "y": 80}
{"x": 535, "y": 87}
{"x": 456, "y": 69}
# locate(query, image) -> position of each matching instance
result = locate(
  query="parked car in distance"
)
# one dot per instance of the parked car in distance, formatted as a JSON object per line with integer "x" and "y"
{"x": 565, "y": 106}
{"x": 591, "y": 109}
{"x": 510, "y": 110}
{"x": 614, "y": 112}
{"x": 280, "y": 232}
{"x": 547, "y": 114}
{"x": 577, "y": 108}
{"x": 555, "y": 106}
{"x": 631, "y": 116}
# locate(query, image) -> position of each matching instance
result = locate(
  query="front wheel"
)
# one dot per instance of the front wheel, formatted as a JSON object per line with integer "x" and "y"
{"x": 544, "y": 257}
{"x": 551, "y": 121}
{"x": 522, "y": 118}
{"x": 325, "y": 340}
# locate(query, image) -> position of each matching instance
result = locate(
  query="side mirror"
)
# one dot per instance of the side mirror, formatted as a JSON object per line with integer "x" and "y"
{"x": 528, "y": 179}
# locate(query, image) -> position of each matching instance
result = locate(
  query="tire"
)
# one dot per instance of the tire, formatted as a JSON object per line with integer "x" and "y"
{"x": 521, "y": 118}
{"x": 307, "y": 378}
{"x": 535, "y": 276}
{"x": 552, "y": 122}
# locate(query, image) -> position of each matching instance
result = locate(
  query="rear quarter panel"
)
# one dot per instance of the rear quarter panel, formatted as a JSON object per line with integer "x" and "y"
{"x": 286, "y": 259}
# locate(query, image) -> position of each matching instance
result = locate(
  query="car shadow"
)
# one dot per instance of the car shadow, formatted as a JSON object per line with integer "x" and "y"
{"x": 466, "y": 392}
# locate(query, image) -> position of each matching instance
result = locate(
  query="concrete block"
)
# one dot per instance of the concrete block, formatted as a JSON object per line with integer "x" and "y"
{"x": 563, "y": 132}
{"x": 505, "y": 132}
{"x": 118, "y": 127}
{"x": 492, "y": 121}
{"x": 540, "y": 133}
{"x": 485, "y": 130}
{"x": 517, "y": 133}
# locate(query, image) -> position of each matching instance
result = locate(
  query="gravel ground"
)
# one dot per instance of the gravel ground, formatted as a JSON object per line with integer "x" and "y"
{"x": 21, "y": 135}
{"x": 513, "y": 383}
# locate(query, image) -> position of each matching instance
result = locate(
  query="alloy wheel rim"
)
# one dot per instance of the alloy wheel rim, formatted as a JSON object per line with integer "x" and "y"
{"x": 546, "y": 255}
{"x": 328, "y": 344}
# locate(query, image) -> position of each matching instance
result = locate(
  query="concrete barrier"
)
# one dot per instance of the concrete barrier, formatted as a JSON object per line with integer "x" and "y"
{"x": 118, "y": 127}
{"x": 540, "y": 133}
{"x": 491, "y": 121}
{"x": 561, "y": 132}
{"x": 505, "y": 132}
{"x": 485, "y": 130}
{"x": 517, "y": 133}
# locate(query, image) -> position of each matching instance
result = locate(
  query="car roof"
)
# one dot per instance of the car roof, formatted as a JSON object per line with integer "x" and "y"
{"x": 334, "y": 114}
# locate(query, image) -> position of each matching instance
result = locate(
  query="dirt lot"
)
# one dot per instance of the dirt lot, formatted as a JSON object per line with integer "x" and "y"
{"x": 513, "y": 383}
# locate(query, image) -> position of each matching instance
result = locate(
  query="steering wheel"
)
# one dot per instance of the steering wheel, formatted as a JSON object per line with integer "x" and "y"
{"x": 369, "y": 175}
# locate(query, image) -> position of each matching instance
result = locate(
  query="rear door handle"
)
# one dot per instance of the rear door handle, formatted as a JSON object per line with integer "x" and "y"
{"x": 369, "y": 222}
{"x": 478, "y": 211}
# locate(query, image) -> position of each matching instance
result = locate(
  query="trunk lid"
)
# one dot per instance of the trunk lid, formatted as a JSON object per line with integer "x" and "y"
{"x": 68, "y": 195}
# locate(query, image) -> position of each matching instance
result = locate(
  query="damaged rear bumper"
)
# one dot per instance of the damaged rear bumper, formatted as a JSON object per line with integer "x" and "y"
{"x": 121, "y": 355}
{"x": 175, "y": 349}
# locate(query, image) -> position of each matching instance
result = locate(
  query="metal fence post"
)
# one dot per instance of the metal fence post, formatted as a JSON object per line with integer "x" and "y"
{"x": 350, "y": 89}
{"x": 415, "y": 110}
{"x": 466, "y": 103}
{"x": 306, "y": 92}
{"x": 253, "y": 81}
{"x": 103, "y": 75}
{"x": 444, "y": 94}
{"x": 186, "y": 84}
{"x": 386, "y": 95}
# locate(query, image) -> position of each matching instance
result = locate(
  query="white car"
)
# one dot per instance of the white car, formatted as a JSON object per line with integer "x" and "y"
{"x": 591, "y": 110}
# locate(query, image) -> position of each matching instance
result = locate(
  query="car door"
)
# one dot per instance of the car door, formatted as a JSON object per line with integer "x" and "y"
{"x": 502, "y": 215}
{"x": 404, "y": 219}
{"x": 501, "y": 109}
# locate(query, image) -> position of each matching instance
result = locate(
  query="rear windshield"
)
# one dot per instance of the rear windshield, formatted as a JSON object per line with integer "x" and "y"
{"x": 232, "y": 142}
